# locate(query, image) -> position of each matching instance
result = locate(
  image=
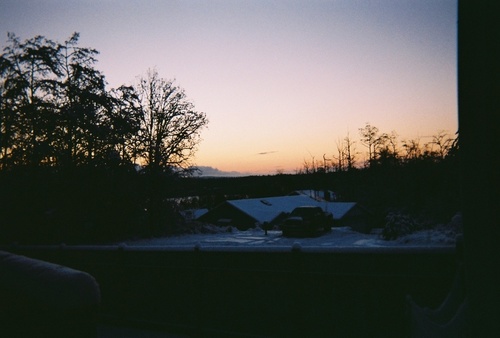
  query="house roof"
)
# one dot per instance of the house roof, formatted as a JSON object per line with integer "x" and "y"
{"x": 267, "y": 209}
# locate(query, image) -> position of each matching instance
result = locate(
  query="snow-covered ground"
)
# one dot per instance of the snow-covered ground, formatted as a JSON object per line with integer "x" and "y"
{"x": 338, "y": 237}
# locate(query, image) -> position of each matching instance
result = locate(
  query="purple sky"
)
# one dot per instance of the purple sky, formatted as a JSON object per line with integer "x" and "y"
{"x": 281, "y": 81}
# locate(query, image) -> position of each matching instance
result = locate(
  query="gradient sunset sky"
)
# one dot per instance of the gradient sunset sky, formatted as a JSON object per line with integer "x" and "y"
{"x": 280, "y": 81}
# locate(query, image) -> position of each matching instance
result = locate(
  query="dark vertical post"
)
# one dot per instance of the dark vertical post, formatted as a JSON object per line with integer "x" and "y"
{"x": 479, "y": 110}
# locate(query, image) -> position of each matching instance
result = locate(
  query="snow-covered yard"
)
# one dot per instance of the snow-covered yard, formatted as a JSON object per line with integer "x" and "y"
{"x": 338, "y": 237}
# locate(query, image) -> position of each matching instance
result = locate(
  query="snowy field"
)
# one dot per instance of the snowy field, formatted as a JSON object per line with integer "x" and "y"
{"x": 338, "y": 237}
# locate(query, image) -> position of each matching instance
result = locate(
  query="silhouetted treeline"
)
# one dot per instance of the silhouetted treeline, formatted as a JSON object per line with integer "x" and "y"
{"x": 79, "y": 162}
{"x": 57, "y": 112}
{"x": 408, "y": 176}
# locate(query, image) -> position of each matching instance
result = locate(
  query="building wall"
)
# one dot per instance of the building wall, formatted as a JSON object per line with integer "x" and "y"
{"x": 227, "y": 211}
{"x": 358, "y": 219}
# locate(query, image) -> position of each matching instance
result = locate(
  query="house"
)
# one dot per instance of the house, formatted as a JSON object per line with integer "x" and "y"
{"x": 248, "y": 213}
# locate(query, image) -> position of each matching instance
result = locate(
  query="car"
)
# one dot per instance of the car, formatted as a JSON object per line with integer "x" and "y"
{"x": 306, "y": 221}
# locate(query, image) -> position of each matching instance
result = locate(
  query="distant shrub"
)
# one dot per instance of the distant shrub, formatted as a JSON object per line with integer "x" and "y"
{"x": 398, "y": 224}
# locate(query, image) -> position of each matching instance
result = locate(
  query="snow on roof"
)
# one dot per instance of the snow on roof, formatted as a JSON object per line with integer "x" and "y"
{"x": 267, "y": 209}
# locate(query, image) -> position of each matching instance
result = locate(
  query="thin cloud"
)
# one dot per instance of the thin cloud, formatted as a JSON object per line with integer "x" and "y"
{"x": 207, "y": 171}
{"x": 267, "y": 152}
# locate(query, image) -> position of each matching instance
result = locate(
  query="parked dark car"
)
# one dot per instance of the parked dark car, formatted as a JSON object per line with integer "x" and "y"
{"x": 307, "y": 221}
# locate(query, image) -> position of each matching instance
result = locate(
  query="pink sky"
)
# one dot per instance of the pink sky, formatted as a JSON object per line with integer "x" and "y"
{"x": 280, "y": 81}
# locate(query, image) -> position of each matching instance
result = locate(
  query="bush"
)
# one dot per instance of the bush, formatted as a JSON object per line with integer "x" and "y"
{"x": 398, "y": 224}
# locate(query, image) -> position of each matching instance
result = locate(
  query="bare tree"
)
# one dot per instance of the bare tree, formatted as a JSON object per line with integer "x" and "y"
{"x": 341, "y": 155}
{"x": 170, "y": 127}
{"x": 306, "y": 168}
{"x": 369, "y": 138}
{"x": 387, "y": 144}
{"x": 386, "y": 148}
{"x": 350, "y": 152}
{"x": 326, "y": 166}
{"x": 443, "y": 142}
{"x": 412, "y": 148}
{"x": 346, "y": 150}
{"x": 393, "y": 142}
{"x": 169, "y": 131}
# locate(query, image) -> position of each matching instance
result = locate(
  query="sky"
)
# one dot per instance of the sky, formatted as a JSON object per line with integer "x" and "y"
{"x": 281, "y": 82}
